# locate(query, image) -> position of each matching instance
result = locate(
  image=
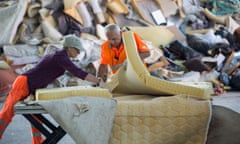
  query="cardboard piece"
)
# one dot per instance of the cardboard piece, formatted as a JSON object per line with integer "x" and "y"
{"x": 178, "y": 35}
{"x": 158, "y": 17}
{"x": 168, "y": 7}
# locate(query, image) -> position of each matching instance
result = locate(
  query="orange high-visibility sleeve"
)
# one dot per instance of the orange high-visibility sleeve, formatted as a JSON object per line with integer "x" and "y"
{"x": 112, "y": 56}
{"x": 141, "y": 45}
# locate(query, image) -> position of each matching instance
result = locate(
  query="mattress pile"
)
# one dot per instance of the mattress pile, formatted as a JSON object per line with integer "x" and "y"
{"x": 138, "y": 119}
{"x": 156, "y": 111}
{"x": 149, "y": 109}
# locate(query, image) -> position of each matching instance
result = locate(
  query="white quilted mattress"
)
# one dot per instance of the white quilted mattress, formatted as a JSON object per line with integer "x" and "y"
{"x": 160, "y": 120}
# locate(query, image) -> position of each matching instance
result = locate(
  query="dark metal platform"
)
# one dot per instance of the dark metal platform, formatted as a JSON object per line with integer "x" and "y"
{"x": 52, "y": 133}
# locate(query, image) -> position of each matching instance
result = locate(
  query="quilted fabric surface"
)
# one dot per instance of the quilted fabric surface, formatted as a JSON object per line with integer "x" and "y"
{"x": 160, "y": 120}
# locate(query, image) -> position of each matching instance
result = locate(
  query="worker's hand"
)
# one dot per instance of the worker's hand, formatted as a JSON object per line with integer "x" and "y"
{"x": 102, "y": 84}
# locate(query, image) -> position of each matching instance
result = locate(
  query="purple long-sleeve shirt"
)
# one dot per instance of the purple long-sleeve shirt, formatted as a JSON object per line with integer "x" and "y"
{"x": 49, "y": 68}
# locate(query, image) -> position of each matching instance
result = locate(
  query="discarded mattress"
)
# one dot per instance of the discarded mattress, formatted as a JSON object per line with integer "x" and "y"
{"x": 137, "y": 80}
{"x": 11, "y": 17}
{"x": 86, "y": 119}
{"x": 158, "y": 35}
{"x": 64, "y": 92}
{"x": 144, "y": 119}
{"x": 145, "y": 8}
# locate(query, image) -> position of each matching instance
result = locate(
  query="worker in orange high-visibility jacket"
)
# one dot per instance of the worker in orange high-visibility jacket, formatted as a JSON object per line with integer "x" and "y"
{"x": 45, "y": 72}
{"x": 113, "y": 52}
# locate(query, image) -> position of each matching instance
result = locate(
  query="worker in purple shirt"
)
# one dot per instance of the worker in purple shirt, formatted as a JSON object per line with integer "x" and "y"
{"x": 45, "y": 72}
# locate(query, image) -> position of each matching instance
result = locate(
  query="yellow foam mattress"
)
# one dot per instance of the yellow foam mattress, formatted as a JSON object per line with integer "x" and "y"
{"x": 158, "y": 35}
{"x": 59, "y": 93}
{"x": 136, "y": 79}
{"x": 143, "y": 119}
